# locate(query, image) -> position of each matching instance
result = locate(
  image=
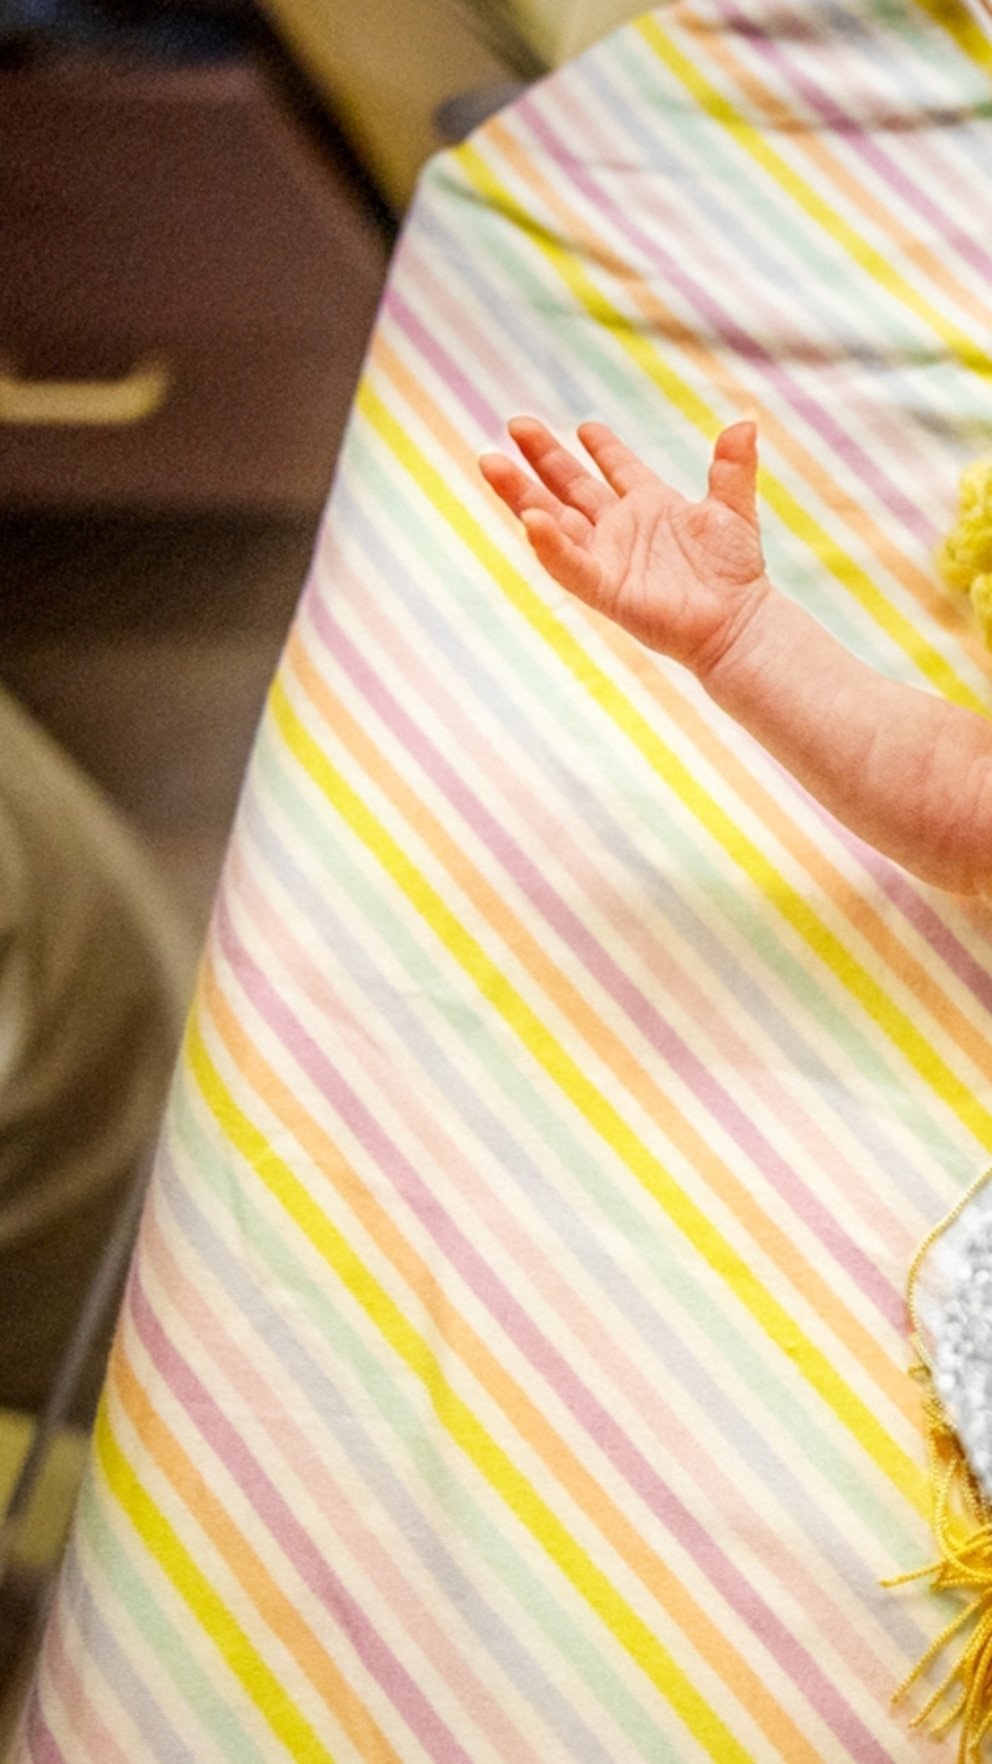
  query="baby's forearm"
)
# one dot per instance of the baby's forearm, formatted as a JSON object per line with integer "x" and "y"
{"x": 906, "y": 771}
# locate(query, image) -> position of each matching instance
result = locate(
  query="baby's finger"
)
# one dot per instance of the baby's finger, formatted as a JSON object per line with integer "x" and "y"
{"x": 568, "y": 563}
{"x": 521, "y": 492}
{"x": 561, "y": 473}
{"x": 619, "y": 464}
{"x": 734, "y": 469}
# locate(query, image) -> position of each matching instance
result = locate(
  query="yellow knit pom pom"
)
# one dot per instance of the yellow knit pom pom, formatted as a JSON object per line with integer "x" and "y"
{"x": 980, "y": 595}
{"x": 976, "y": 487}
{"x": 965, "y": 558}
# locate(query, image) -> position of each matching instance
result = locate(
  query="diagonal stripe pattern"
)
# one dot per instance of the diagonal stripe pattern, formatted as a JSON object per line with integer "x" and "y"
{"x": 514, "y": 1363}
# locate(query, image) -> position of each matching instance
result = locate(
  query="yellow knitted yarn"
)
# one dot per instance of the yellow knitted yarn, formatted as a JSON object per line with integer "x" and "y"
{"x": 980, "y": 595}
{"x": 962, "y": 1521}
{"x": 965, "y": 558}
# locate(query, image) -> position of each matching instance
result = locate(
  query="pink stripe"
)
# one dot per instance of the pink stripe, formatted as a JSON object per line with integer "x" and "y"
{"x": 676, "y": 1439}
{"x": 472, "y": 399}
{"x": 88, "y": 1727}
{"x": 452, "y": 320}
{"x": 398, "y": 1593}
{"x": 38, "y": 1737}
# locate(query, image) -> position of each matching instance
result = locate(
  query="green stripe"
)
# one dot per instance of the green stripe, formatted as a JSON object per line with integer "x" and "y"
{"x": 118, "y": 1578}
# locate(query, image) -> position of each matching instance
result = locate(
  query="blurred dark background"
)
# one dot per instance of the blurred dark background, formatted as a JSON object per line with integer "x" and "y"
{"x": 192, "y": 259}
{"x": 197, "y": 204}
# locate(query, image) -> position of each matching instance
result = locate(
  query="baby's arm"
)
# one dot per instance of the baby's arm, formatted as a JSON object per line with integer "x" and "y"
{"x": 906, "y": 771}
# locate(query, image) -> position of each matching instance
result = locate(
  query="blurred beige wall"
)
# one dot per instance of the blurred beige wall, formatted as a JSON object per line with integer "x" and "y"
{"x": 559, "y": 29}
{"x": 386, "y": 65}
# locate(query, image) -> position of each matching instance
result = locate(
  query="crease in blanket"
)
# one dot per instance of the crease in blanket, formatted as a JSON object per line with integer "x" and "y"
{"x": 959, "y": 1473}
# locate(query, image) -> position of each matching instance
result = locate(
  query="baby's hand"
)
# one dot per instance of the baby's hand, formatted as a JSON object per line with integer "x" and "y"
{"x": 684, "y": 577}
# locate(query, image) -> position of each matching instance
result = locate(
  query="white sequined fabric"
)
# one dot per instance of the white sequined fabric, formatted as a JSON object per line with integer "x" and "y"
{"x": 954, "y": 1311}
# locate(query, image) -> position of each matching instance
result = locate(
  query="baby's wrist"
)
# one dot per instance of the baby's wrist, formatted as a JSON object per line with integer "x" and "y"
{"x": 740, "y": 641}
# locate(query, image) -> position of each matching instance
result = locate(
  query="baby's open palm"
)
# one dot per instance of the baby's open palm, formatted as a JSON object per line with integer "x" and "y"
{"x": 682, "y": 576}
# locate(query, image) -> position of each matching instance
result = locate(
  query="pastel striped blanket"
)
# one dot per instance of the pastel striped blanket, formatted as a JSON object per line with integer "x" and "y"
{"x": 514, "y": 1368}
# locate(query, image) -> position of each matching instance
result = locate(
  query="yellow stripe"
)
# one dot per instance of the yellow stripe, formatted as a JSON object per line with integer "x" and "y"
{"x": 595, "y": 1108}
{"x": 859, "y": 982}
{"x": 454, "y": 1414}
{"x": 638, "y": 345}
{"x": 967, "y": 33}
{"x": 752, "y": 139}
{"x": 209, "y": 1609}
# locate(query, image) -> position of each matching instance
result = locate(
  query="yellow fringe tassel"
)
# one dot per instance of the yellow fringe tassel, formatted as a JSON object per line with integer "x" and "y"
{"x": 965, "y": 558}
{"x": 962, "y": 1523}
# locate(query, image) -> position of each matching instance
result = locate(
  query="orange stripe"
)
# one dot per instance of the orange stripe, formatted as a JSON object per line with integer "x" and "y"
{"x": 272, "y": 1604}
{"x": 451, "y": 1328}
{"x": 972, "y": 1039}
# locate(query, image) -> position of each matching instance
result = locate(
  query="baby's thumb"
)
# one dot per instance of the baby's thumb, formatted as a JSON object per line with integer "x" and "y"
{"x": 734, "y": 469}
